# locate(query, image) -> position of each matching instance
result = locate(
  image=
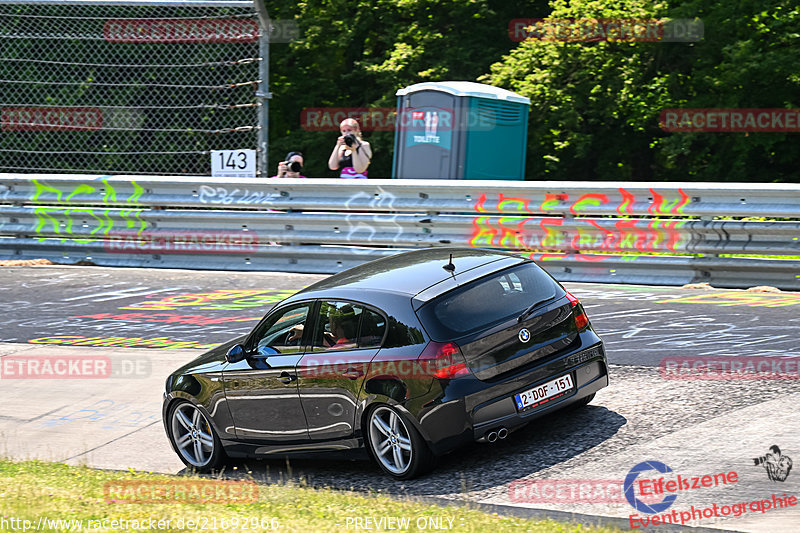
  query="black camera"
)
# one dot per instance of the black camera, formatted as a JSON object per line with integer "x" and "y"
{"x": 294, "y": 166}
{"x": 350, "y": 139}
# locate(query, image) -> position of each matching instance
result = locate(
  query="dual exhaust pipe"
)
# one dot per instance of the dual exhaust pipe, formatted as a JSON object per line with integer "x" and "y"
{"x": 494, "y": 436}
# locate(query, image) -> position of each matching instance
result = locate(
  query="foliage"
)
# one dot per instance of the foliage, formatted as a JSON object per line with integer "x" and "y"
{"x": 595, "y": 106}
{"x": 358, "y": 53}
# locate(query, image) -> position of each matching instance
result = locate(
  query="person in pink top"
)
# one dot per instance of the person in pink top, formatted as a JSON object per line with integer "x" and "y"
{"x": 351, "y": 154}
{"x": 291, "y": 167}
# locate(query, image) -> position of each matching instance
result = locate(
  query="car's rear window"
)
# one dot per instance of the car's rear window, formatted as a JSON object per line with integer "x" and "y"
{"x": 488, "y": 301}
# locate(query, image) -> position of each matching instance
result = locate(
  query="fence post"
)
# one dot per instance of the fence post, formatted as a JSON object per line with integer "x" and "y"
{"x": 262, "y": 92}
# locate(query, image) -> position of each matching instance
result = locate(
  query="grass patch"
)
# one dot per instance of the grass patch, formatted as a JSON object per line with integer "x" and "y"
{"x": 33, "y": 489}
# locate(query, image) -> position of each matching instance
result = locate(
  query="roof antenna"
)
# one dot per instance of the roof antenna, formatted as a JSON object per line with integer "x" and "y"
{"x": 450, "y": 267}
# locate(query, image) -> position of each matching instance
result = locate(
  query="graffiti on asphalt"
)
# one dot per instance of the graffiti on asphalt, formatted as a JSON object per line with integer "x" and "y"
{"x": 658, "y": 330}
{"x": 169, "y": 318}
{"x": 222, "y": 300}
{"x": 750, "y": 299}
{"x": 121, "y": 342}
{"x": 104, "y": 414}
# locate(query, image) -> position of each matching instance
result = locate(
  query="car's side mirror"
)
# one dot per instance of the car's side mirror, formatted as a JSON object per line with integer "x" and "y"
{"x": 267, "y": 350}
{"x": 235, "y": 354}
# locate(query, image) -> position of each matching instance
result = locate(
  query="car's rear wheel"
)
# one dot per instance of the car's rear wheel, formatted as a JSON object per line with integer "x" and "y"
{"x": 197, "y": 444}
{"x": 396, "y": 445}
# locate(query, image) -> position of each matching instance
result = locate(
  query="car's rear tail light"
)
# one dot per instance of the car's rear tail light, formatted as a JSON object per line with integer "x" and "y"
{"x": 581, "y": 320}
{"x": 443, "y": 360}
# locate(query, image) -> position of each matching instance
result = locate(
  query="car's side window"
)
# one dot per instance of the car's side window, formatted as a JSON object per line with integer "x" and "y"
{"x": 283, "y": 332}
{"x": 337, "y": 326}
{"x": 373, "y": 327}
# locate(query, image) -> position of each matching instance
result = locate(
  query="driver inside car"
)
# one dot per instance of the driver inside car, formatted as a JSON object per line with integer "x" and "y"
{"x": 340, "y": 329}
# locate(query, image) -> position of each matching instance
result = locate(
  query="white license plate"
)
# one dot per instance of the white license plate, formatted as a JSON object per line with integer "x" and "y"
{"x": 544, "y": 392}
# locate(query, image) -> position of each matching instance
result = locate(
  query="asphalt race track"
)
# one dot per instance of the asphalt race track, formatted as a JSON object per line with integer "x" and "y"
{"x": 656, "y": 408}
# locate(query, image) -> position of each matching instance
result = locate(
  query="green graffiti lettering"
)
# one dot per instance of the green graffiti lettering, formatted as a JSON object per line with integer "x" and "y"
{"x": 483, "y": 233}
{"x": 41, "y": 188}
{"x": 111, "y": 194}
{"x": 43, "y": 218}
{"x": 81, "y": 189}
{"x": 137, "y": 192}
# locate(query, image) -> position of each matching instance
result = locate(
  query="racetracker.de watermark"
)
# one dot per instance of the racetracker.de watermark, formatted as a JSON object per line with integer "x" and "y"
{"x": 178, "y": 491}
{"x": 730, "y": 368}
{"x": 182, "y": 242}
{"x": 425, "y": 120}
{"x": 729, "y": 120}
{"x": 331, "y": 368}
{"x": 74, "y": 367}
{"x": 141, "y": 31}
{"x": 573, "y": 30}
{"x": 566, "y": 491}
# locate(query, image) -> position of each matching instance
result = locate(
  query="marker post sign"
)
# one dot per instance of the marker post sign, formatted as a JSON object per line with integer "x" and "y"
{"x": 233, "y": 163}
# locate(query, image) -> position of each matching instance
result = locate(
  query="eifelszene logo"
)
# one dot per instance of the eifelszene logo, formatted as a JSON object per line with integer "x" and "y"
{"x": 630, "y": 494}
{"x": 668, "y": 486}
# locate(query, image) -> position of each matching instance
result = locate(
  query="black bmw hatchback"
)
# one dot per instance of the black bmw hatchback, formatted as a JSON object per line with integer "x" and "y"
{"x": 409, "y": 356}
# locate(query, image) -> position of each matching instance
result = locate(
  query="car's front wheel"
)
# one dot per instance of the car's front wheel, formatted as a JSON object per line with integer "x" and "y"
{"x": 197, "y": 444}
{"x": 396, "y": 445}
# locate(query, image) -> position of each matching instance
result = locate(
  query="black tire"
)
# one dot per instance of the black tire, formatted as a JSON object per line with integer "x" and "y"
{"x": 395, "y": 444}
{"x": 194, "y": 438}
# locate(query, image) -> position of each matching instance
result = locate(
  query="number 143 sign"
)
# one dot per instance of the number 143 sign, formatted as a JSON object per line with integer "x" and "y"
{"x": 233, "y": 163}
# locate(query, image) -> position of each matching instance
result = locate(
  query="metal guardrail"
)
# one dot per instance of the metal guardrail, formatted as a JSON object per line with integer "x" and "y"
{"x": 668, "y": 233}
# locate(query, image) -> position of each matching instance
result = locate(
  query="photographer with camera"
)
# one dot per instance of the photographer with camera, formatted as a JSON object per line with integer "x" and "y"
{"x": 291, "y": 167}
{"x": 352, "y": 154}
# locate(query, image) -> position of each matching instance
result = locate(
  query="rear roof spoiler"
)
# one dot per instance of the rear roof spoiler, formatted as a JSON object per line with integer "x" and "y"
{"x": 459, "y": 279}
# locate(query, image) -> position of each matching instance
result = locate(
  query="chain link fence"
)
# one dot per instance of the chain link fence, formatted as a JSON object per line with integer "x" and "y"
{"x": 128, "y": 88}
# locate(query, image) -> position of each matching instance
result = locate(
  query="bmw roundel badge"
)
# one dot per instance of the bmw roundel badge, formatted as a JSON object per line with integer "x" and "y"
{"x": 524, "y": 335}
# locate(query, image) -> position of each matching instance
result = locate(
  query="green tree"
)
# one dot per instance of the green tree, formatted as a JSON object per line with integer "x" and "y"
{"x": 595, "y": 106}
{"x": 358, "y": 53}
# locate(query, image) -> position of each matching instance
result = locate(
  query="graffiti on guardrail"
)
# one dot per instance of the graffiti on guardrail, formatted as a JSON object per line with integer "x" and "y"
{"x": 378, "y": 202}
{"x": 217, "y": 195}
{"x": 60, "y": 221}
{"x": 526, "y": 230}
{"x": 68, "y": 196}
{"x": 662, "y": 203}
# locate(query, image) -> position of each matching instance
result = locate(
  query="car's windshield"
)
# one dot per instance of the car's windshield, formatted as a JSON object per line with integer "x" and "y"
{"x": 488, "y": 301}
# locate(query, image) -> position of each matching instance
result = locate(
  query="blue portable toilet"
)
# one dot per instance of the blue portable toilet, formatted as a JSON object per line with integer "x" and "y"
{"x": 460, "y": 130}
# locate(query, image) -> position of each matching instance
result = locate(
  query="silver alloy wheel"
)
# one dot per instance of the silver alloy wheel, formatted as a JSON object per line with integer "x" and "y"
{"x": 192, "y": 435}
{"x": 390, "y": 440}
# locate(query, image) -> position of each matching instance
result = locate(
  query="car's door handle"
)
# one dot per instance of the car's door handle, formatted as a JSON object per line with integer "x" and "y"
{"x": 286, "y": 377}
{"x": 352, "y": 373}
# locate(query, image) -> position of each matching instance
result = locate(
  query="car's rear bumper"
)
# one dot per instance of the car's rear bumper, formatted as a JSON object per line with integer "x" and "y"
{"x": 502, "y": 413}
{"x": 469, "y": 409}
